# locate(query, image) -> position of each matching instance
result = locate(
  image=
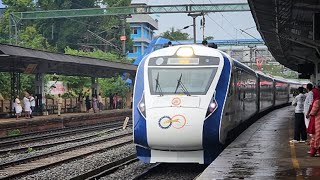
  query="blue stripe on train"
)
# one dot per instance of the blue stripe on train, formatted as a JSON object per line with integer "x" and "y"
{"x": 210, "y": 139}
{"x": 139, "y": 126}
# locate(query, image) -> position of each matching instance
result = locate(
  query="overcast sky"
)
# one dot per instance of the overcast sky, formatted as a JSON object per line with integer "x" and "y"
{"x": 225, "y": 25}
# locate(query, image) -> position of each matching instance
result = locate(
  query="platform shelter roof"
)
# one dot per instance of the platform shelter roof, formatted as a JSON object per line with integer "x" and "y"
{"x": 31, "y": 61}
{"x": 290, "y": 29}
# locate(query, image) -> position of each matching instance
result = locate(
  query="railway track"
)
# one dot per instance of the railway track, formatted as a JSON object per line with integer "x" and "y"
{"x": 24, "y": 166}
{"x": 32, "y": 137}
{"x": 48, "y": 145}
{"x": 107, "y": 168}
{"x": 171, "y": 171}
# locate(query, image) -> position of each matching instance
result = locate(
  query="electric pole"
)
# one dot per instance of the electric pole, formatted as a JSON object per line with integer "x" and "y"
{"x": 194, "y": 16}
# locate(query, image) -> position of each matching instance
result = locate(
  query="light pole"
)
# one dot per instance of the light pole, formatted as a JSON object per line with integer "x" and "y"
{"x": 251, "y": 54}
{"x": 194, "y": 16}
{"x": 123, "y": 37}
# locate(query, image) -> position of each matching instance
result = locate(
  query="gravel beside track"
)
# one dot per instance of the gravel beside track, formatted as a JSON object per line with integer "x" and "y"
{"x": 13, "y": 141}
{"x": 10, "y": 158}
{"x": 64, "y": 157}
{"x": 80, "y": 166}
{"x": 129, "y": 171}
{"x": 169, "y": 171}
{"x": 23, "y": 148}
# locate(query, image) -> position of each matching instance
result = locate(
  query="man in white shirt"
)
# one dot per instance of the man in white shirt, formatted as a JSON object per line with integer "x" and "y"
{"x": 300, "y": 134}
{"x": 307, "y": 103}
{"x": 26, "y": 103}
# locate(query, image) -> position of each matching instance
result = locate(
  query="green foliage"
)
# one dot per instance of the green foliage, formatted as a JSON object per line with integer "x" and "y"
{"x": 19, "y": 5}
{"x": 69, "y": 94}
{"x": 96, "y": 53}
{"x": 5, "y": 84}
{"x": 14, "y": 132}
{"x": 30, "y": 38}
{"x": 26, "y": 84}
{"x": 116, "y": 3}
{"x": 30, "y": 150}
{"x": 114, "y": 85}
{"x": 70, "y": 35}
{"x": 76, "y": 84}
{"x": 173, "y": 34}
{"x": 209, "y": 38}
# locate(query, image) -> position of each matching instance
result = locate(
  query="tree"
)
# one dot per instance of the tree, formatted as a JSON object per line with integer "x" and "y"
{"x": 174, "y": 35}
{"x": 30, "y": 38}
{"x": 96, "y": 53}
{"x": 116, "y": 3}
{"x": 208, "y": 38}
{"x": 12, "y": 6}
{"x": 113, "y": 85}
{"x": 74, "y": 32}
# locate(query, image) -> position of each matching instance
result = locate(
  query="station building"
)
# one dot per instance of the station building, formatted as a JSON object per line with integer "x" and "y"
{"x": 142, "y": 33}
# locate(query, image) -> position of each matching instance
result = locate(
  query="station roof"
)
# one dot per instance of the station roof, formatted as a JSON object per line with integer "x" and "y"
{"x": 286, "y": 26}
{"x": 32, "y": 61}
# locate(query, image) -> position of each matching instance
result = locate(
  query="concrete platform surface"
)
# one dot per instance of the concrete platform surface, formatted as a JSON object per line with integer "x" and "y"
{"x": 263, "y": 151}
{"x": 41, "y": 123}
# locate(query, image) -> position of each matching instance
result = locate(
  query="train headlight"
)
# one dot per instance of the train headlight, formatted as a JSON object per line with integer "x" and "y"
{"x": 212, "y": 107}
{"x": 185, "y": 52}
{"x": 142, "y": 106}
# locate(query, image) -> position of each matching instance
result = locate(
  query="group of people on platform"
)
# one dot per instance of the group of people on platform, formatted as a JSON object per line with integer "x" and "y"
{"x": 96, "y": 103}
{"x": 29, "y": 104}
{"x": 307, "y": 118}
{"x": 85, "y": 104}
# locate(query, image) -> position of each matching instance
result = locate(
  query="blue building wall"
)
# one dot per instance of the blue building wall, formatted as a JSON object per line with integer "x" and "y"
{"x": 143, "y": 32}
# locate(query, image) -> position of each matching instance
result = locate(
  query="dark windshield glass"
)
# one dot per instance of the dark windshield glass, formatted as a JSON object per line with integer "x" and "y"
{"x": 196, "y": 80}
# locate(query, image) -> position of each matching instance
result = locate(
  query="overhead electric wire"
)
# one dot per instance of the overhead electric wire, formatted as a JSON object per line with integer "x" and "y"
{"x": 221, "y": 27}
{"x": 230, "y": 22}
{"x": 251, "y": 35}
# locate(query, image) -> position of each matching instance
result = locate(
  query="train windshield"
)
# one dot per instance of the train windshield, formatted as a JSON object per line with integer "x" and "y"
{"x": 190, "y": 81}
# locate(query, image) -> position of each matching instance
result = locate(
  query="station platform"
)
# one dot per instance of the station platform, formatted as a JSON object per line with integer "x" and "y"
{"x": 263, "y": 151}
{"x": 41, "y": 123}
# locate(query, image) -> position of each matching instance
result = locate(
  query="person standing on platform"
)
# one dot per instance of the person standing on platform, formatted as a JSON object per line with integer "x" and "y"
{"x": 100, "y": 102}
{"x": 26, "y": 103}
{"x": 17, "y": 107}
{"x": 59, "y": 100}
{"x": 32, "y": 104}
{"x": 115, "y": 101}
{"x": 307, "y": 103}
{"x": 88, "y": 104}
{"x": 300, "y": 134}
{"x": 94, "y": 103}
{"x": 315, "y": 142}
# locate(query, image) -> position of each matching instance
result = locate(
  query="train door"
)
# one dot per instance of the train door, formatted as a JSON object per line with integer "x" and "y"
{"x": 239, "y": 104}
{"x": 231, "y": 100}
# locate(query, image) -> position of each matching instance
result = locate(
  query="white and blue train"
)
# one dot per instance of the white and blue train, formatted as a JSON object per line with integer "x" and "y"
{"x": 187, "y": 98}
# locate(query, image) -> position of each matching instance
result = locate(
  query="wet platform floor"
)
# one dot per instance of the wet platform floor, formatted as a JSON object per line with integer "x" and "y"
{"x": 263, "y": 151}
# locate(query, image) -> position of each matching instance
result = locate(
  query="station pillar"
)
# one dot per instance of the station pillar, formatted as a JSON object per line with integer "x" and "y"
{"x": 39, "y": 91}
{"x": 94, "y": 86}
{"x": 15, "y": 86}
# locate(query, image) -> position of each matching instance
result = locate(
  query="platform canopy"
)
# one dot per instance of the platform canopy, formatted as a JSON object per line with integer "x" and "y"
{"x": 290, "y": 29}
{"x": 32, "y": 61}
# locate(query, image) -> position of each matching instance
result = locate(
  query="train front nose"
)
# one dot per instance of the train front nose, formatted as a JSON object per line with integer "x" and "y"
{"x": 175, "y": 128}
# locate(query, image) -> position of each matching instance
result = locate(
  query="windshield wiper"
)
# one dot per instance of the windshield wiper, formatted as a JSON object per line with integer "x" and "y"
{"x": 158, "y": 86}
{"x": 182, "y": 86}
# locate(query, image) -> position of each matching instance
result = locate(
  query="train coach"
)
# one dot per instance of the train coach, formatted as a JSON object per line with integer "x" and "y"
{"x": 187, "y": 98}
